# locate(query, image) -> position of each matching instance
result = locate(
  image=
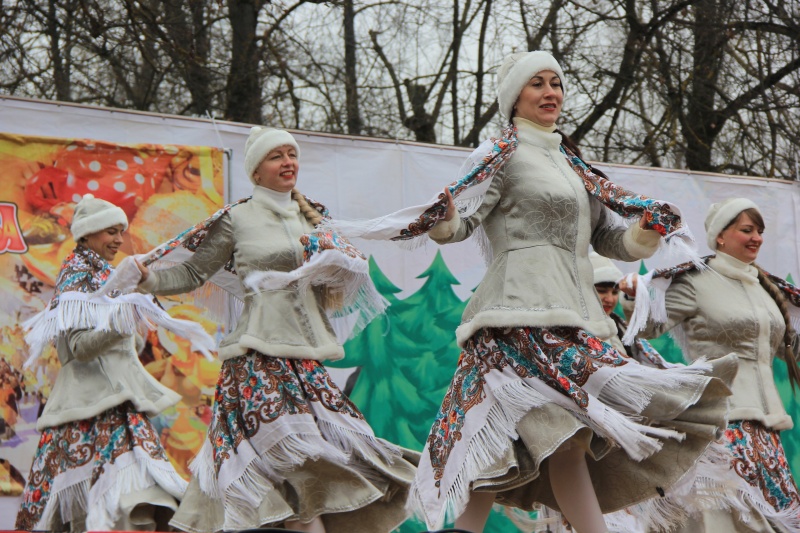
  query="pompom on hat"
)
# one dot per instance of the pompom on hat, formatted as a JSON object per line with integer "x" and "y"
{"x": 605, "y": 271}
{"x": 721, "y": 214}
{"x": 261, "y": 142}
{"x": 93, "y": 215}
{"x": 516, "y": 71}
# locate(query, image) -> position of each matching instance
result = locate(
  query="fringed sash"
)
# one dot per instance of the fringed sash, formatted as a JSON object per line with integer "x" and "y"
{"x": 346, "y": 272}
{"x": 651, "y": 290}
{"x": 479, "y": 170}
{"x": 76, "y": 304}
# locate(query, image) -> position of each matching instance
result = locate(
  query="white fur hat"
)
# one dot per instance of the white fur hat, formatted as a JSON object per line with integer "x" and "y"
{"x": 605, "y": 271}
{"x": 93, "y": 215}
{"x": 721, "y": 214}
{"x": 516, "y": 71}
{"x": 261, "y": 142}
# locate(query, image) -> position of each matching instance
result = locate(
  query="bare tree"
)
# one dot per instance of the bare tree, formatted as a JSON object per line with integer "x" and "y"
{"x": 700, "y": 84}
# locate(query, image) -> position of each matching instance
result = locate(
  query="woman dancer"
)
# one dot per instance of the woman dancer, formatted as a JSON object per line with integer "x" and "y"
{"x": 285, "y": 446}
{"x": 734, "y": 306}
{"x": 536, "y": 391}
{"x": 99, "y": 464}
{"x": 606, "y": 278}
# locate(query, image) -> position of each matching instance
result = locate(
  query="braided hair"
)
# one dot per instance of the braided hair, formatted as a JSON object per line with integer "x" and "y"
{"x": 313, "y": 216}
{"x": 332, "y": 299}
{"x": 780, "y": 300}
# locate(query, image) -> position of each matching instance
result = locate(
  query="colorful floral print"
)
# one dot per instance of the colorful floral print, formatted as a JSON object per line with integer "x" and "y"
{"x": 255, "y": 389}
{"x": 564, "y": 358}
{"x": 758, "y": 458}
{"x": 83, "y": 270}
{"x": 97, "y": 442}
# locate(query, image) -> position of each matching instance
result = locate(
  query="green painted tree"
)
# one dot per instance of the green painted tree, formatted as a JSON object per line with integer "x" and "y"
{"x": 407, "y": 359}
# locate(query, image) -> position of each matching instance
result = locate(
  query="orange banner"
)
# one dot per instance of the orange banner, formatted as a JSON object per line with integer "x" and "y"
{"x": 163, "y": 189}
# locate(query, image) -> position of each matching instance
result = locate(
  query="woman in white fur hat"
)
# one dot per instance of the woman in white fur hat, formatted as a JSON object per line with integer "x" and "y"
{"x": 540, "y": 409}
{"x": 734, "y": 306}
{"x": 606, "y": 283}
{"x": 100, "y": 464}
{"x": 285, "y": 447}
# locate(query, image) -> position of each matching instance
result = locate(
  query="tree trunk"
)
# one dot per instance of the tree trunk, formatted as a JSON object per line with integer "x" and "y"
{"x": 703, "y": 123}
{"x": 243, "y": 90}
{"x": 354, "y": 124}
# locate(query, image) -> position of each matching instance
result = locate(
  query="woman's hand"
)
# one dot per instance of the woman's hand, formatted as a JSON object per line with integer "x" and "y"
{"x": 143, "y": 269}
{"x": 629, "y": 288}
{"x": 451, "y": 205}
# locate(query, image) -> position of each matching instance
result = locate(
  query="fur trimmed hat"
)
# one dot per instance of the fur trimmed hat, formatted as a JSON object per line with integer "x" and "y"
{"x": 721, "y": 214}
{"x": 516, "y": 71}
{"x": 605, "y": 271}
{"x": 261, "y": 142}
{"x": 93, "y": 215}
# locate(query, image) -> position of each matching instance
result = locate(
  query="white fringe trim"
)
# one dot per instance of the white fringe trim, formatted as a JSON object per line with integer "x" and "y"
{"x": 336, "y": 271}
{"x": 631, "y": 388}
{"x": 242, "y": 496}
{"x": 497, "y": 435}
{"x": 710, "y": 485}
{"x": 126, "y": 314}
{"x": 628, "y": 390}
{"x": 131, "y": 472}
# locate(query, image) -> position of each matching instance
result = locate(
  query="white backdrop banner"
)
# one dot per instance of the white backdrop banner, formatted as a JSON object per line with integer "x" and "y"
{"x": 363, "y": 178}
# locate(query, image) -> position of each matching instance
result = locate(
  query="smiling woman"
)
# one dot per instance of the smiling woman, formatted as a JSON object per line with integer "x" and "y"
{"x": 99, "y": 464}
{"x": 734, "y": 306}
{"x": 285, "y": 447}
{"x": 538, "y": 400}
{"x": 106, "y": 242}
{"x": 540, "y": 100}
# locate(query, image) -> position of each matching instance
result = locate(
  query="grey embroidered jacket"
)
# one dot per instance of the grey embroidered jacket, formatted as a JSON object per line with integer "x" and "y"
{"x": 261, "y": 235}
{"x": 101, "y": 370}
{"x": 540, "y": 221}
{"x": 722, "y": 310}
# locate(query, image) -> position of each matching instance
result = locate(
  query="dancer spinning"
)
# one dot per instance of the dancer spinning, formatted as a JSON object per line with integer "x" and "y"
{"x": 100, "y": 464}
{"x": 285, "y": 446}
{"x": 734, "y": 306}
{"x": 536, "y": 391}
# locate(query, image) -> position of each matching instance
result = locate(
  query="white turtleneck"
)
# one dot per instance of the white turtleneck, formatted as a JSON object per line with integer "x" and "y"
{"x": 281, "y": 199}
{"x": 524, "y": 122}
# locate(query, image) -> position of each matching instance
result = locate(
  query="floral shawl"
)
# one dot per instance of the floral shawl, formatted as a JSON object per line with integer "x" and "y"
{"x": 77, "y": 305}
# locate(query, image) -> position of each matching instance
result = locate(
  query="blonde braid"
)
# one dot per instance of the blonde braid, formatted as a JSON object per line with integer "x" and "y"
{"x": 789, "y": 333}
{"x": 313, "y": 216}
{"x": 332, "y": 299}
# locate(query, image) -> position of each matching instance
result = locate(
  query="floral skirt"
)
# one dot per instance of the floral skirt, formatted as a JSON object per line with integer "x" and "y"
{"x": 285, "y": 443}
{"x": 100, "y": 474}
{"x": 745, "y": 485}
{"x": 519, "y": 394}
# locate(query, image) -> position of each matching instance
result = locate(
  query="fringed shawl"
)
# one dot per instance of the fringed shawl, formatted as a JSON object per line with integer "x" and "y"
{"x": 76, "y": 304}
{"x": 329, "y": 260}
{"x": 482, "y": 165}
{"x": 651, "y": 290}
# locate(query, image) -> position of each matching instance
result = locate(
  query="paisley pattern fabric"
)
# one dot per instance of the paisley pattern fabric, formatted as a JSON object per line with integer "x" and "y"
{"x": 660, "y": 216}
{"x": 255, "y": 391}
{"x": 563, "y": 358}
{"x": 87, "y": 454}
{"x": 758, "y": 458}
{"x": 83, "y": 270}
{"x": 510, "y": 383}
{"x": 285, "y": 443}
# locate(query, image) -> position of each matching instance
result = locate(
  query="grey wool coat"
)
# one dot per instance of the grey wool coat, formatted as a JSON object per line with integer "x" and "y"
{"x": 540, "y": 221}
